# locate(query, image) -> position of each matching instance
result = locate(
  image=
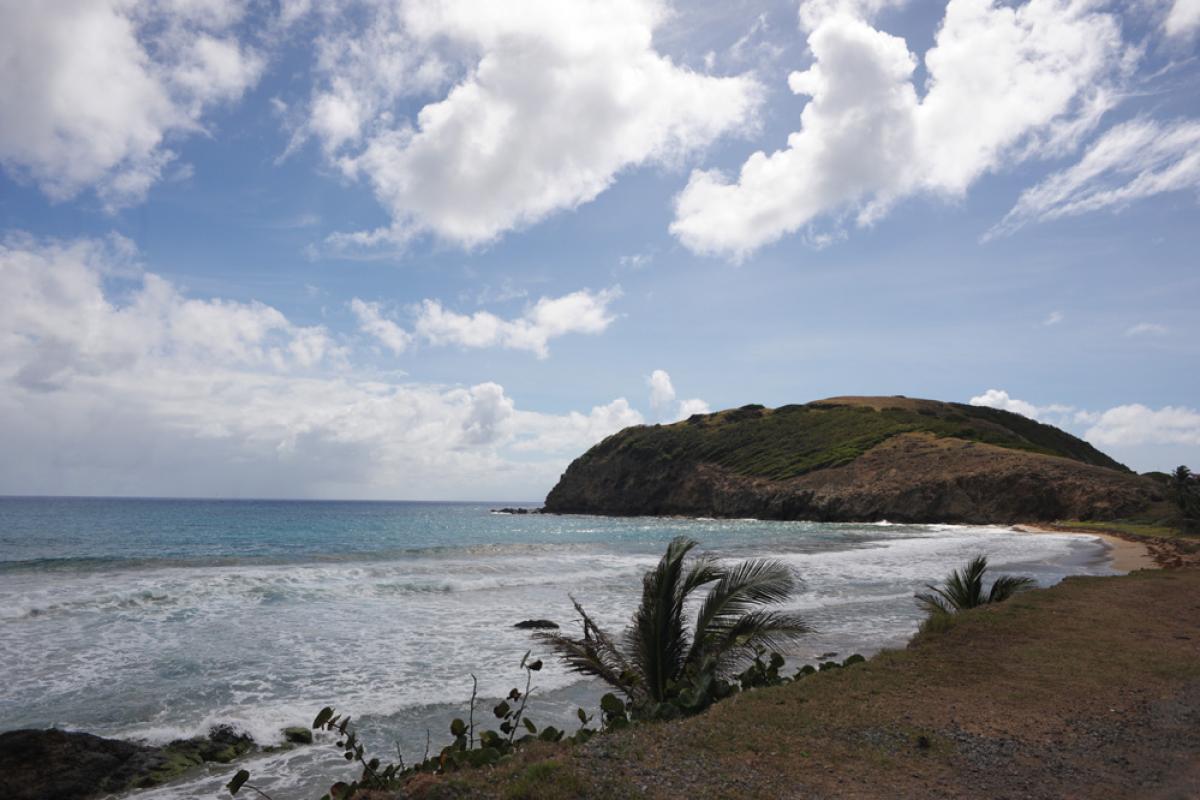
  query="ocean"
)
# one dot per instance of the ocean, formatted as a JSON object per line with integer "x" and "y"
{"x": 157, "y": 619}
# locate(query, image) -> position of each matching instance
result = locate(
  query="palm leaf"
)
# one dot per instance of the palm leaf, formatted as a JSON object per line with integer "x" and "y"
{"x": 657, "y": 638}
{"x": 1008, "y": 585}
{"x": 738, "y": 591}
{"x": 594, "y": 654}
{"x": 963, "y": 589}
{"x": 751, "y": 632}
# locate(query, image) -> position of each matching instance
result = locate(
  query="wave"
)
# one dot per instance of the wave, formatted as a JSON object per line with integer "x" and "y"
{"x": 124, "y": 563}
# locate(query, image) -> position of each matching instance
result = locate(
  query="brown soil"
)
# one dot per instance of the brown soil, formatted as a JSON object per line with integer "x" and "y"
{"x": 1090, "y": 689}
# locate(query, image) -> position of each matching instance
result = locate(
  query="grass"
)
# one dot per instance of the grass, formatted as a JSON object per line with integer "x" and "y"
{"x": 791, "y": 440}
{"x": 1142, "y": 529}
{"x": 1088, "y": 689}
{"x": 543, "y": 780}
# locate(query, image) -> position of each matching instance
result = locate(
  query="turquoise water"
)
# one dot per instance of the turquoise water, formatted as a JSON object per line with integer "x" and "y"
{"x": 155, "y": 619}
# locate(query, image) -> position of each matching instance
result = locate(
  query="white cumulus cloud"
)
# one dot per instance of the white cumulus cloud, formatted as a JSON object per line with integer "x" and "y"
{"x": 583, "y": 311}
{"x": 662, "y": 398}
{"x": 693, "y": 406}
{"x": 1004, "y": 84}
{"x": 1138, "y": 424}
{"x": 998, "y": 398}
{"x": 662, "y": 393}
{"x": 114, "y": 381}
{"x": 1183, "y": 19}
{"x": 542, "y": 103}
{"x": 372, "y": 321}
{"x": 1131, "y": 425}
{"x": 92, "y": 89}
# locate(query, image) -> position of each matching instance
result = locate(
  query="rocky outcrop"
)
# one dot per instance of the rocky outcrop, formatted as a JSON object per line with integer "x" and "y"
{"x": 36, "y": 765}
{"x": 911, "y": 476}
{"x": 71, "y": 765}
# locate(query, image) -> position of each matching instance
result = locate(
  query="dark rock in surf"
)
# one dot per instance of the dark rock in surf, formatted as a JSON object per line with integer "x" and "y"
{"x": 298, "y": 734}
{"x": 72, "y": 765}
{"x": 536, "y": 625}
{"x": 66, "y": 764}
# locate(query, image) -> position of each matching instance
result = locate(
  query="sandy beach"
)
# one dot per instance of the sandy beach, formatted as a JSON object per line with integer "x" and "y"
{"x": 1125, "y": 555}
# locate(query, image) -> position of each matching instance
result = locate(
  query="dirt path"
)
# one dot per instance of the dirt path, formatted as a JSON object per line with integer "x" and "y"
{"x": 1090, "y": 689}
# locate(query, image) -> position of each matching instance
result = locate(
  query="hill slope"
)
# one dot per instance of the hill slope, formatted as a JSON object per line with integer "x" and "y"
{"x": 852, "y": 458}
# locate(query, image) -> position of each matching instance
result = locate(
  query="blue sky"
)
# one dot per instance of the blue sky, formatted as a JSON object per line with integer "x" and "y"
{"x": 427, "y": 250}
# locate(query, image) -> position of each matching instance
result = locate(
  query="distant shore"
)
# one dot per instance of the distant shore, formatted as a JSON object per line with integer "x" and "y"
{"x": 1125, "y": 555}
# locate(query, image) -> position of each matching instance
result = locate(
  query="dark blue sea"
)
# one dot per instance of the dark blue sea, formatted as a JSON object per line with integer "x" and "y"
{"x": 157, "y": 619}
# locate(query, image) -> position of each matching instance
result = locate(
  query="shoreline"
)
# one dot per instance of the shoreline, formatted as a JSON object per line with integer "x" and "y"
{"x": 1125, "y": 555}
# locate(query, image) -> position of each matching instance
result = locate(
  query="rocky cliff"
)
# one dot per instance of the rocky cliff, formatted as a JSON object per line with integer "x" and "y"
{"x": 853, "y": 459}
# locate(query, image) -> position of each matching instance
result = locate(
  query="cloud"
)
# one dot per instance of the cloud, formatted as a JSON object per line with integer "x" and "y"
{"x": 998, "y": 398}
{"x": 1125, "y": 425}
{"x": 636, "y": 262}
{"x": 1130, "y": 162}
{"x": 662, "y": 393}
{"x": 372, "y": 321}
{"x": 815, "y": 12}
{"x": 1004, "y": 85}
{"x": 1053, "y": 318}
{"x": 693, "y": 406}
{"x": 1147, "y": 329}
{"x": 1183, "y": 19}
{"x": 93, "y": 89}
{"x": 662, "y": 398}
{"x": 584, "y": 311}
{"x": 574, "y": 432}
{"x": 113, "y": 381}
{"x": 542, "y": 103}
{"x": 1136, "y": 424}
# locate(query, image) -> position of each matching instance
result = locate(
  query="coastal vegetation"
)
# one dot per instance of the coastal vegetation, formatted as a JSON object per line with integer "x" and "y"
{"x": 1185, "y": 488}
{"x": 792, "y": 440}
{"x": 663, "y": 668}
{"x": 964, "y": 589}
{"x": 1008, "y": 701}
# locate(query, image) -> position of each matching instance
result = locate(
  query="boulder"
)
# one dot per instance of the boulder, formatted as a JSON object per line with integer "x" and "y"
{"x": 298, "y": 734}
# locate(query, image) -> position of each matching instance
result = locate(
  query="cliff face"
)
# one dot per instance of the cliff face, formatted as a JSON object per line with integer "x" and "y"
{"x": 852, "y": 459}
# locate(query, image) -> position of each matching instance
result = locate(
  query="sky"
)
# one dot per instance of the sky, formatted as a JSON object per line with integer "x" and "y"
{"x": 436, "y": 249}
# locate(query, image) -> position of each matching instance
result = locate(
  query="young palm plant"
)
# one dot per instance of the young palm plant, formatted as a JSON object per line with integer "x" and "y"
{"x": 963, "y": 589}
{"x": 659, "y": 657}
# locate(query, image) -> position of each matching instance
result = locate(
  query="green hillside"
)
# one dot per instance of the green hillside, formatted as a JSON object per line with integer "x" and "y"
{"x": 791, "y": 440}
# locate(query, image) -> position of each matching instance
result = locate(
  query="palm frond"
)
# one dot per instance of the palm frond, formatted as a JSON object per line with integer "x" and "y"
{"x": 701, "y": 571}
{"x": 963, "y": 589}
{"x": 1008, "y": 585}
{"x": 739, "y": 590}
{"x": 594, "y": 654}
{"x": 933, "y": 602}
{"x": 750, "y": 632}
{"x": 657, "y": 638}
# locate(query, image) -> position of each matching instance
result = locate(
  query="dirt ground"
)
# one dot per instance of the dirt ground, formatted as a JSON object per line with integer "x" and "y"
{"x": 1090, "y": 689}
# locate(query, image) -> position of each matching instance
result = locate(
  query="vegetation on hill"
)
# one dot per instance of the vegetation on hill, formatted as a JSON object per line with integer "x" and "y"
{"x": 792, "y": 440}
